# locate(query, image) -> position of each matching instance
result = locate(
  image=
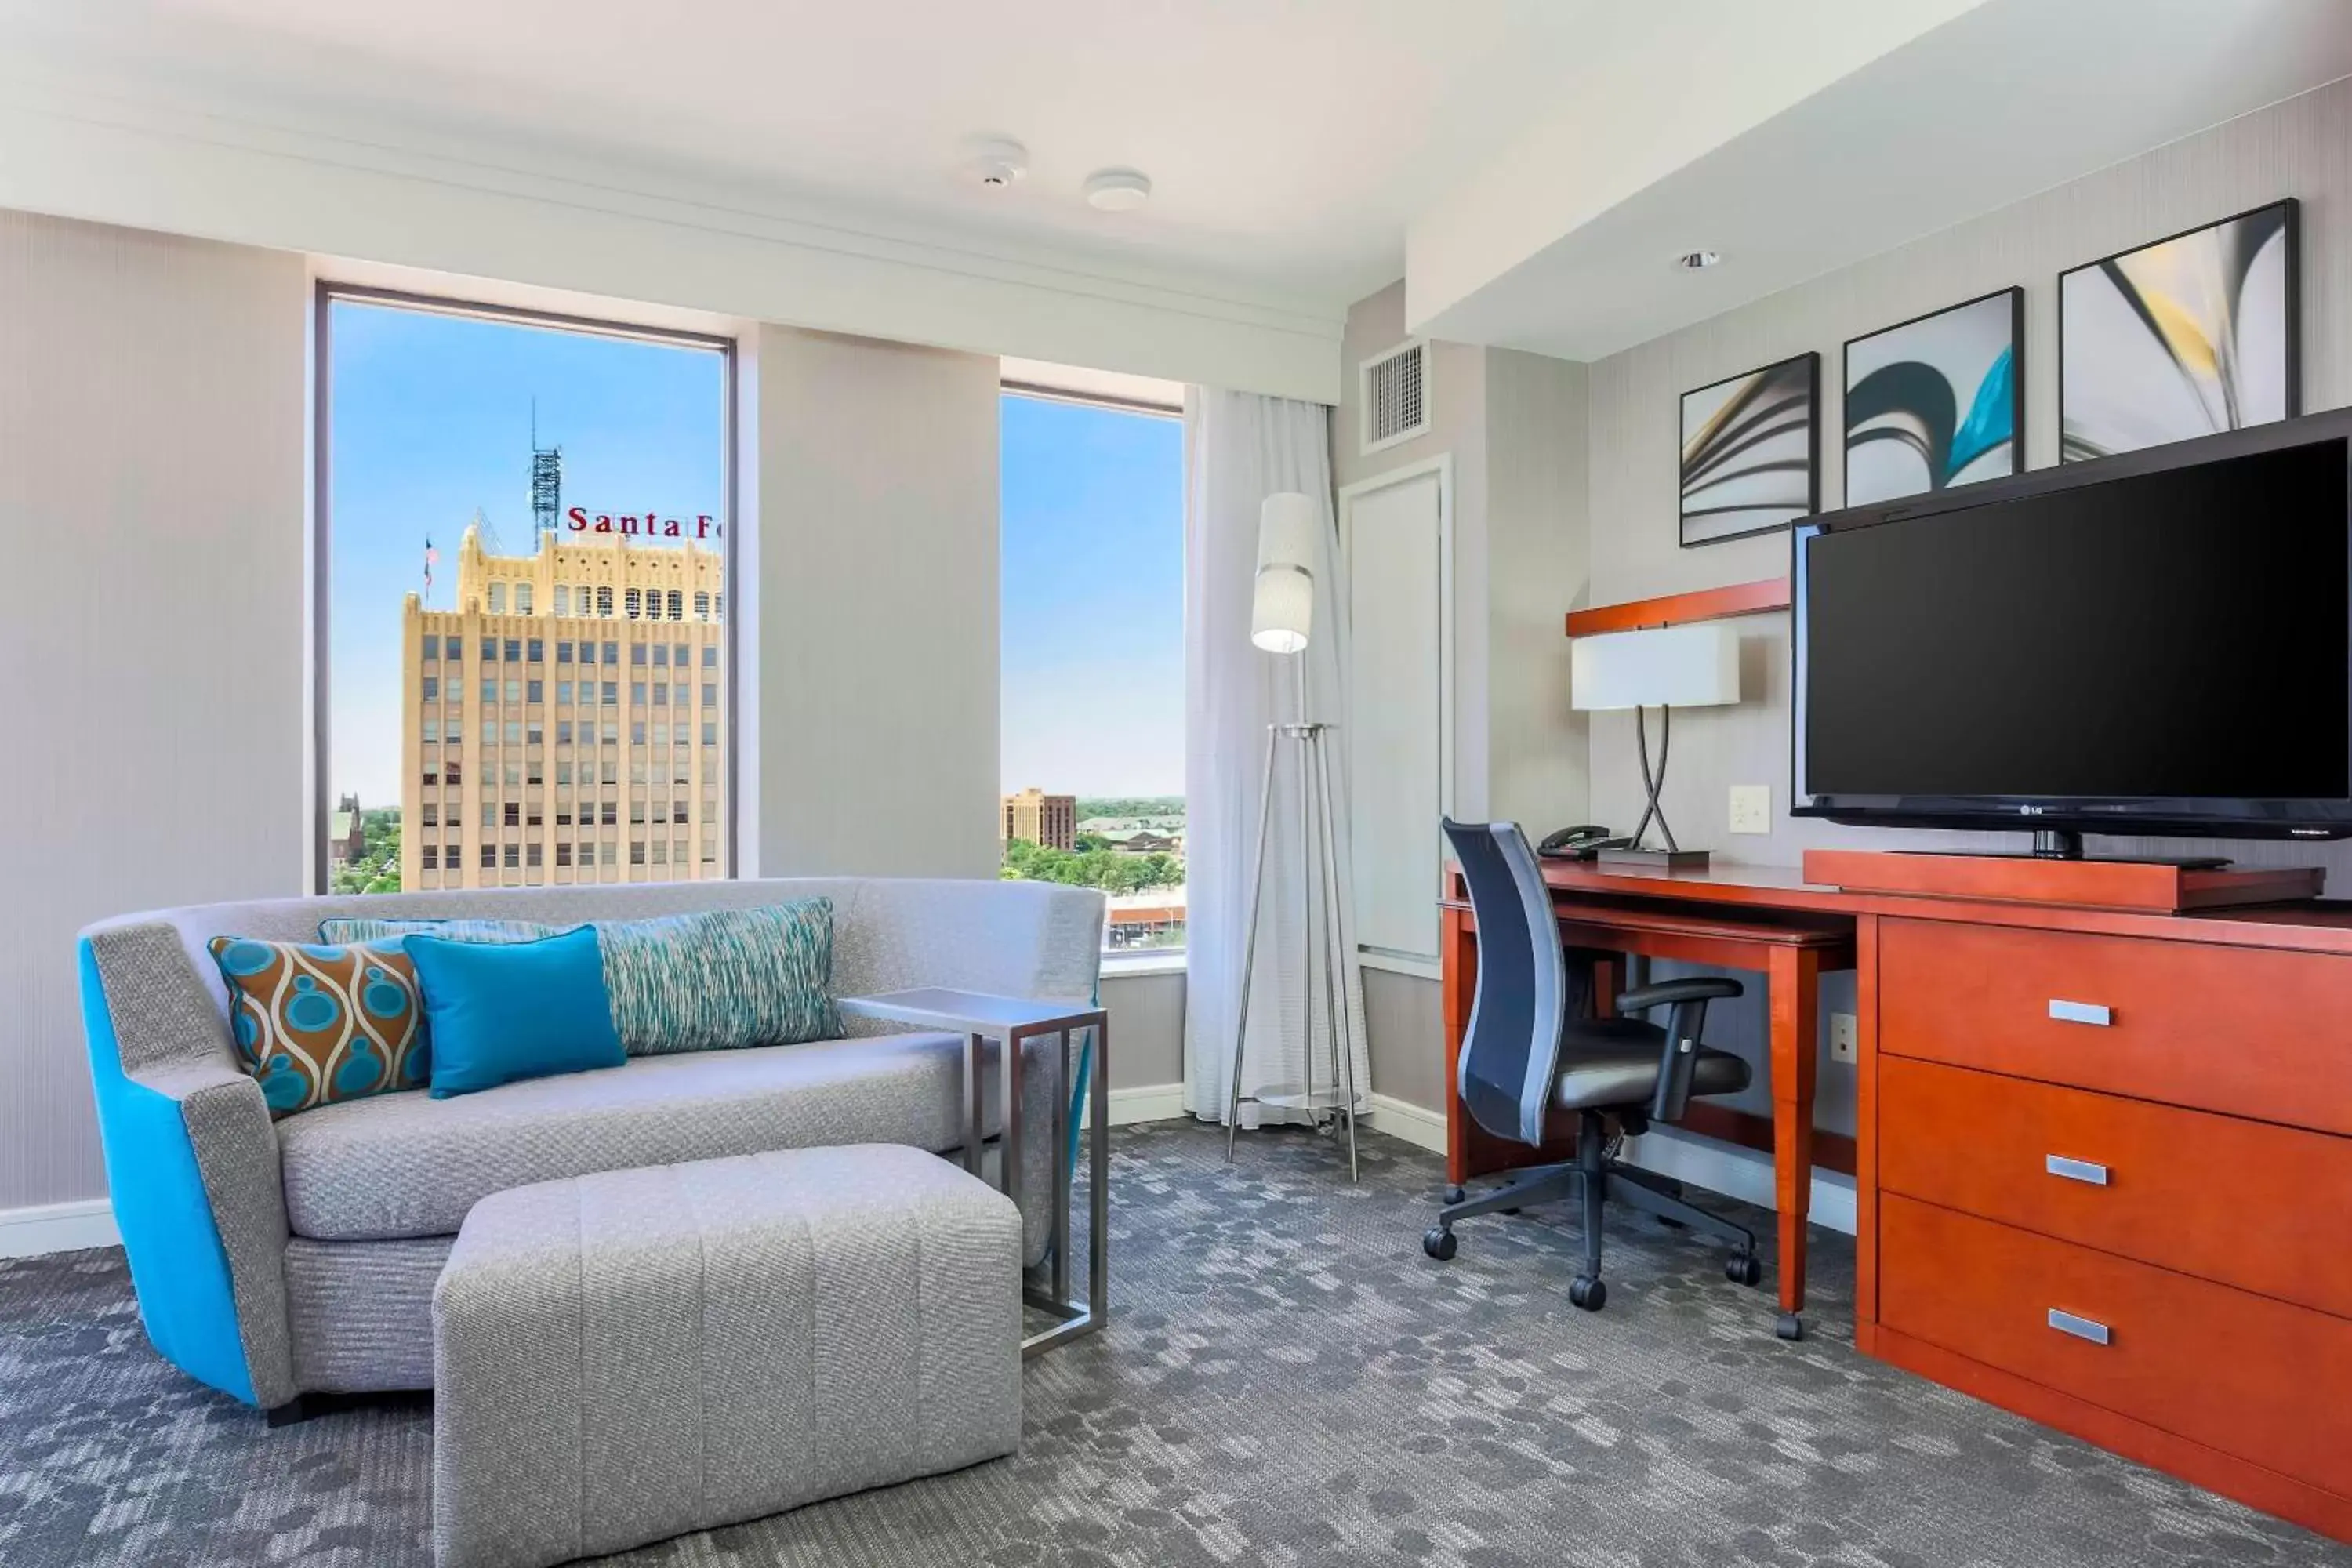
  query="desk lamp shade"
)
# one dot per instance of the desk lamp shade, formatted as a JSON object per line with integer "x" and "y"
{"x": 1282, "y": 607}
{"x": 1662, "y": 667}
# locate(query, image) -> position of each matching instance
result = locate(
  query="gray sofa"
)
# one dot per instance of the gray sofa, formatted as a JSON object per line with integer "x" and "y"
{"x": 273, "y": 1259}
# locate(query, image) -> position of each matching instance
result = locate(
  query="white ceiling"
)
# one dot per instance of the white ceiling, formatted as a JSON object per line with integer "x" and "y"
{"x": 1544, "y": 157}
{"x": 2007, "y": 98}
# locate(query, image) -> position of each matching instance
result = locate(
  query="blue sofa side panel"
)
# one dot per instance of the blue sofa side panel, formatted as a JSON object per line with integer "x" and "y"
{"x": 178, "y": 1265}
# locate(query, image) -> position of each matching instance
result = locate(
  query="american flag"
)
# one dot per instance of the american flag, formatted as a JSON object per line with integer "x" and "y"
{"x": 432, "y": 556}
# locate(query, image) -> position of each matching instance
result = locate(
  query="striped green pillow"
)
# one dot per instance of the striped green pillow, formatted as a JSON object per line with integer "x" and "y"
{"x": 722, "y": 978}
{"x": 346, "y": 930}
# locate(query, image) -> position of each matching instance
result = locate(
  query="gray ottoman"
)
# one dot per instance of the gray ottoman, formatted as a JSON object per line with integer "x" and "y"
{"x": 622, "y": 1357}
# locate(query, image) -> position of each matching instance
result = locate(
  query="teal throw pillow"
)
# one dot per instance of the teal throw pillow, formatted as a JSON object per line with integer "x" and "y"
{"x": 722, "y": 978}
{"x": 504, "y": 1011}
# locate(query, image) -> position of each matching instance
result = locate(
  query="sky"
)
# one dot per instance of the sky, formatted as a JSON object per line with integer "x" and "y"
{"x": 431, "y": 418}
{"x": 1093, "y": 510}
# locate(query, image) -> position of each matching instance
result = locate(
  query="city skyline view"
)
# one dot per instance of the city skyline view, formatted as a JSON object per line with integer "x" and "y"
{"x": 432, "y": 419}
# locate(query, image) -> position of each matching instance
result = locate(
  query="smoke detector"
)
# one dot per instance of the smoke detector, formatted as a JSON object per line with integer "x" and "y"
{"x": 994, "y": 163}
{"x": 1697, "y": 260}
{"x": 1117, "y": 190}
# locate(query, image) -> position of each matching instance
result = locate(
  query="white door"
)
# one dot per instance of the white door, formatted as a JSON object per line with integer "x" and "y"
{"x": 1394, "y": 533}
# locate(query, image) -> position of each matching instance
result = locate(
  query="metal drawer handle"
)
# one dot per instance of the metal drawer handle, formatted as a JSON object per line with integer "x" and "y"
{"x": 2080, "y": 1328}
{"x": 2075, "y": 1170}
{"x": 2092, "y": 1012}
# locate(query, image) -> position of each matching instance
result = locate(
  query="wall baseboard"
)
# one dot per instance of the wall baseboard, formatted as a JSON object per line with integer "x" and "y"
{"x": 1739, "y": 1173}
{"x": 57, "y": 1227}
{"x": 1724, "y": 1168}
{"x": 1147, "y": 1102}
{"x": 1416, "y": 1124}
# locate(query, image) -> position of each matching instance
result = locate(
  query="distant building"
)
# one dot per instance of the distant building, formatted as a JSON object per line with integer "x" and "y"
{"x": 1051, "y": 820}
{"x": 564, "y": 723}
{"x": 1143, "y": 841}
{"x": 346, "y": 842}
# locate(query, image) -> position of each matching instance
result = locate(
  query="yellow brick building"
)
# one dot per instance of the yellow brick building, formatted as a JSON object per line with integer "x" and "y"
{"x": 1051, "y": 820}
{"x": 567, "y": 721}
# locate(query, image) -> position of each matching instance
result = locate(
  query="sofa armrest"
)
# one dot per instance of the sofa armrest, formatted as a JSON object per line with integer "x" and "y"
{"x": 192, "y": 1169}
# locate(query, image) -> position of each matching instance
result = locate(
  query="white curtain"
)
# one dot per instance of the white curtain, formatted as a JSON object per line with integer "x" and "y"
{"x": 1239, "y": 449}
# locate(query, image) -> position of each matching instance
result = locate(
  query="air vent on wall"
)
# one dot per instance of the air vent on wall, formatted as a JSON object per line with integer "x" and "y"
{"x": 1395, "y": 393}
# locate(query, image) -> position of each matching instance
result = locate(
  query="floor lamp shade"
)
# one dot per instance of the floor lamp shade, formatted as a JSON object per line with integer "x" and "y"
{"x": 1282, "y": 606}
{"x": 1660, "y": 667}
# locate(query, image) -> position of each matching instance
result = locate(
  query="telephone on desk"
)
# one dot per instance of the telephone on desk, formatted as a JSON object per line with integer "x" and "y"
{"x": 1582, "y": 842}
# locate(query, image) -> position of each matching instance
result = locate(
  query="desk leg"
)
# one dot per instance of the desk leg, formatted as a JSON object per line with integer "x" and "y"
{"x": 1458, "y": 983}
{"x": 1794, "y": 982}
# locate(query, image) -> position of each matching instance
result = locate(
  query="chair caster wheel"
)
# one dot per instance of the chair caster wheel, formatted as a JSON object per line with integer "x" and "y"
{"x": 1790, "y": 1327}
{"x": 1439, "y": 1243}
{"x": 1454, "y": 1195}
{"x": 1587, "y": 1292}
{"x": 1742, "y": 1269}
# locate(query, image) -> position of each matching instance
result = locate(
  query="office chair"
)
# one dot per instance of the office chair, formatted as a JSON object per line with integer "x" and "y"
{"x": 1527, "y": 1061}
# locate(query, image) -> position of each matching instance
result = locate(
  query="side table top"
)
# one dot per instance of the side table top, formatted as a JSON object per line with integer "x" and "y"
{"x": 968, "y": 1011}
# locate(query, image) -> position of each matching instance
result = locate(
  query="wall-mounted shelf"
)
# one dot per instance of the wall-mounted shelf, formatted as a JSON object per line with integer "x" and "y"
{"x": 1680, "y": 609}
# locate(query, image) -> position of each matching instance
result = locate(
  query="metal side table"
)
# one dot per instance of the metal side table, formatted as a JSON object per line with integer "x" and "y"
{"x": 1010, "y": 1021}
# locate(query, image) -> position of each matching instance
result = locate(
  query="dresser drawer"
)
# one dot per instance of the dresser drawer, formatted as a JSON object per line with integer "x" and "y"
{"x": 2245, "y": 1031}
{"x": 2245, "y": 1202}
{"x": 2248, "y": 1375}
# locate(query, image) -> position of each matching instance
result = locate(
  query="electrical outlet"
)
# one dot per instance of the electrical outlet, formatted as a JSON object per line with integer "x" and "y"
{"x": 1751, "y": 808}
{"x": 1845, "y": 1037}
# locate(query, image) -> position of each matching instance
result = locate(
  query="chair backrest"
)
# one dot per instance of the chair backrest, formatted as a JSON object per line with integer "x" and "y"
{"x": 1510, "y": 1053}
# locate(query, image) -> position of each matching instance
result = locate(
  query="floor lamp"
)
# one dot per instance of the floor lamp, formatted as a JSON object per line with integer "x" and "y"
{"x": 1282, "y": 614}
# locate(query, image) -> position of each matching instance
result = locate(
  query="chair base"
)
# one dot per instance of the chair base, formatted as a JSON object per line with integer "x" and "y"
{"x": 1595, "y": 1180}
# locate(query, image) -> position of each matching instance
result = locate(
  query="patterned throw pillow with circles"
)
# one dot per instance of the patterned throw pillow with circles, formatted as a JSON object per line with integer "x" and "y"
{"x": 317, "y": 1022}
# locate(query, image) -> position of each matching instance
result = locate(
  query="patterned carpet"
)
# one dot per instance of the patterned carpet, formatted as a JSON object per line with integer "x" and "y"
{"x": 1288, "y": 1382}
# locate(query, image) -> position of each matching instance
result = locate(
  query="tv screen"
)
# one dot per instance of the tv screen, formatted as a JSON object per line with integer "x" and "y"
{"x": 2162, "y": 649}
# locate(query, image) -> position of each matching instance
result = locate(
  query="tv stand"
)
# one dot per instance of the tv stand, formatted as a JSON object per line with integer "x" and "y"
{"x": 2065, "y": 844}
{"x": 2056, "y": 844}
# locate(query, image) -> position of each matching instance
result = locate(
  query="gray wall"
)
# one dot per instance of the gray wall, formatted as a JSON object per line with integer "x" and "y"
{"x": 1519, "y": 547}
{"x": 873, "y": 711}
{"x": 1146, "y": 1028}
{"x": 152, "y": 423}
{"x": 1625, "y": 443}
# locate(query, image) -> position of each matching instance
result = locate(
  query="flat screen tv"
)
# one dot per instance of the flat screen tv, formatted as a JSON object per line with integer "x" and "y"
{"x": 2157, "y": 644}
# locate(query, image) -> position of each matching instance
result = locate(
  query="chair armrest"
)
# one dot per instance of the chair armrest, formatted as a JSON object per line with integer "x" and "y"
{"x": 1678, "y": 1057}
{"x": 1706, "y": 988}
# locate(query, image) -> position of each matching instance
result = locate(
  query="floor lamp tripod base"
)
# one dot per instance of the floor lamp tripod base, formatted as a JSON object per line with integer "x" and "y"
{"x": 1320, "y": 887}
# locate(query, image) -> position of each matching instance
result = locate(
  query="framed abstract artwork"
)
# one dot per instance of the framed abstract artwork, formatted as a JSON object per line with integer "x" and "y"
{"x": 2182, "y": 337}
{"x": 1751, "y": 446}
{"x": 1935, "y": 401}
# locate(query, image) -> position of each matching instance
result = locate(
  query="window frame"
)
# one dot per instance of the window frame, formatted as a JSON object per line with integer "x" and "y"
{"x": 325, "y": 294}
{"x": 1135, "y": 960}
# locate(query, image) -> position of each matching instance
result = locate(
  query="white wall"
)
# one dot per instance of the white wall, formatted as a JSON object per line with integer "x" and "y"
{"x": 872, "y": 717}
{"x": 153, "y": 424}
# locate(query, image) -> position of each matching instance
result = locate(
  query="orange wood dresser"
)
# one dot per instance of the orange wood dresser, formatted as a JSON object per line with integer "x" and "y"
{"x": 2103, "y": 1156}
{"x": 2104, "y": 1167}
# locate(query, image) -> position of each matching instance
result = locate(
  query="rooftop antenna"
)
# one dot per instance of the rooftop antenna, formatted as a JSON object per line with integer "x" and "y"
{"x": 546, "y": 480}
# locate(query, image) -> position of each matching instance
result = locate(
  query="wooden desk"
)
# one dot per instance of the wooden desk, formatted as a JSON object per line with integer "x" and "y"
{"x": 1756, "y": 918}
{"x": 2103, "y": 1161}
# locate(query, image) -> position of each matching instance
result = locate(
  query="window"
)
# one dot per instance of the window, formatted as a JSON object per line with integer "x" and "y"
{"x": 420, "y": 454}
{"x": 710, "y": 655}
{"x": 563, "y": 857}
{"x": 1092, "y": 503}
{"x": 636, "y": 693}
{"x": 702, "y": 606}
{"x": 661, "y": 654}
